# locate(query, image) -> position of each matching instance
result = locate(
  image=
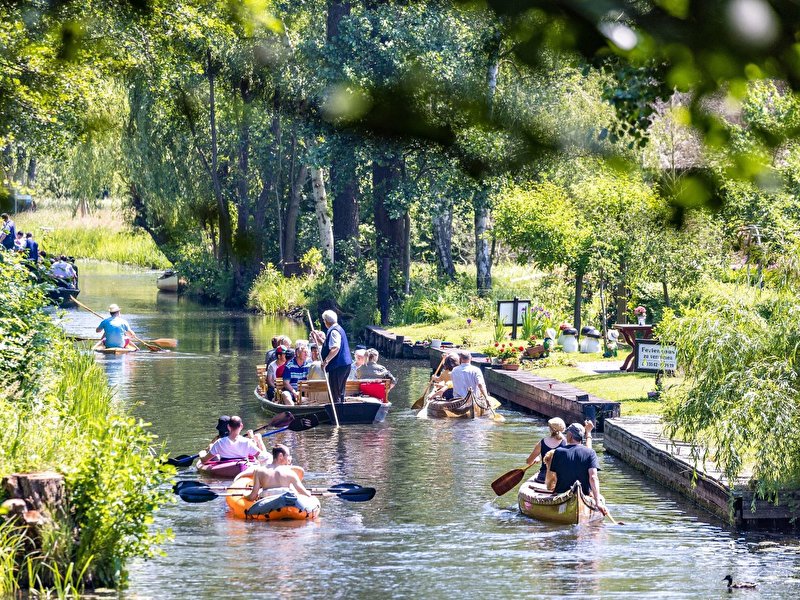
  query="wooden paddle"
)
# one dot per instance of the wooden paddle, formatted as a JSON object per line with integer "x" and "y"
{"x": 202, "y": 494}
{"x": 154, "y": 346}
{"x": 615, "y": 522}
{"x": 421, "y": 400}
{"x": 284, "y": 421}
{"x": 506, "y": 483}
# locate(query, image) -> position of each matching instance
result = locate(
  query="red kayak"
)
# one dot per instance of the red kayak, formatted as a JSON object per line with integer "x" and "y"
{"x": 225, "y": 468}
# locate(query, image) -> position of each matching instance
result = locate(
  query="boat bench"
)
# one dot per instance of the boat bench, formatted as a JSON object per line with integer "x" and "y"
{"x": 353, "y": 387}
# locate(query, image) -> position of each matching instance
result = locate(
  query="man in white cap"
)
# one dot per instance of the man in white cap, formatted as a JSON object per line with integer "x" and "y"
{"x": 575, "y": 462}
{"x": 117, "y": 333}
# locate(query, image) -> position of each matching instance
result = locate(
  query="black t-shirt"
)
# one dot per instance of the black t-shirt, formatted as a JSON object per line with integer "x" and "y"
{"x": 571, "y": 464}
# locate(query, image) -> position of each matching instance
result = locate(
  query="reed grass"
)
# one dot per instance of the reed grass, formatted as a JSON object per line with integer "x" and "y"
{"x": 100, "y": 235}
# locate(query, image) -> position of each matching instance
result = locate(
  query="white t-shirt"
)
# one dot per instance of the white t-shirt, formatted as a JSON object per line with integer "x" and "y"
{"x": 272, "y": 370}
{"x": 336, "y": 340}
{"x": 242, "y": 447}
{"x": 464, "y": 377}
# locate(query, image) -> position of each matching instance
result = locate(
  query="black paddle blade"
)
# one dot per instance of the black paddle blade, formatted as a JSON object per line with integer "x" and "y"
{"x": 363, "y": 494}
{"x": 304, "y": 423}
{"x": 281, "y": 420}
{"x": 184, "y": 460}
{"x": 181, "y": 485}
{"x": 195, "y": 495}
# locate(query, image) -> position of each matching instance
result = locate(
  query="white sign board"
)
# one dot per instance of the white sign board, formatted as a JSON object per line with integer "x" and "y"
{"x": 653, "y": 357}
{"x": 506, "y": 310}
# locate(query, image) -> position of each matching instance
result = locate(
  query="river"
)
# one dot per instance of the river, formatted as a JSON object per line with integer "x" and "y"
{"x": 434, "y": 529}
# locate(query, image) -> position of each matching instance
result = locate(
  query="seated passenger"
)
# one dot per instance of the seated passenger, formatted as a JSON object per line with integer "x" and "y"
{"x": 117, "y": 333}
{"x": 296, "y": 370}
{"x": 444, "y": 381}
{"x": 278, "y": 475}
{"x": 359, "y": 358}
{"x": 272, "y": 370}
{"x": 551, "y": 442}
{"x": 234, "y": 446}
{"x": 372, "y": 370}
{"x": 64, "y": 270}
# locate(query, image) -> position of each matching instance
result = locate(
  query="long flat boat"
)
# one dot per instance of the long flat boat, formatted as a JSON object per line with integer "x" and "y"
{"x": 572, "y": 507}
{"x": 354, "y": 410}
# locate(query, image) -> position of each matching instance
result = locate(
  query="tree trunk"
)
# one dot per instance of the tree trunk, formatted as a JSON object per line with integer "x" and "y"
{"x": 442, "y": 221}
{"x": 576, "y": 313}
{"x": 337, "y": 9}
{"x": 243, "y": 241}
{"x": 31, "y": 175}
{"x": 344, "y": 186}
{"x": 666, "y": 292}
{"x": 321, "y": 209}
{"x": 390, "y": 233}
{"x": 407, "y": 254}
{"x": 22, "y": 163}
{"x": 276, "y": 136}
{"x": 483, "y": 261}
{"x": 292, "y": 213}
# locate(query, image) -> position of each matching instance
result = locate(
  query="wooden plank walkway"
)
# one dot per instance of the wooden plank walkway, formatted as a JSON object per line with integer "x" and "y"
{"x": 640, "y": 442}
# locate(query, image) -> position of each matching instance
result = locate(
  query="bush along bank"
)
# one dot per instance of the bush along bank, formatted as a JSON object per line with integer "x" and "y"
{"x": 60, "y": 415}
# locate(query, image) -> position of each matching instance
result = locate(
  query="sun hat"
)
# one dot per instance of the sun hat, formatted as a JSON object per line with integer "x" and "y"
{"x": 113, "y": 308}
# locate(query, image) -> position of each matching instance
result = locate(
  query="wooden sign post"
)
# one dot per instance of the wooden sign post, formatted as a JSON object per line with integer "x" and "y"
{"x": 509, "y": 312}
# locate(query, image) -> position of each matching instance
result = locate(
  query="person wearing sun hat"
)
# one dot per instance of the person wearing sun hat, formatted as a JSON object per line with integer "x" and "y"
{"x": 117, "y": 333}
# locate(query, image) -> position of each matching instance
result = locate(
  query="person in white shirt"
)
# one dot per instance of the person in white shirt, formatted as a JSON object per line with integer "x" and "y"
{"x": 466, "y": 376}
{"x": 234, "y": 446}
{"x": 360, "y": 356}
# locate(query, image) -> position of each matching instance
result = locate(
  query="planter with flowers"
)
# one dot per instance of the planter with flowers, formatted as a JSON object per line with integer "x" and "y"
{"x": 535, "y": 349}
{"x": 641, "y": 315}
{"x": 509, "y": 354}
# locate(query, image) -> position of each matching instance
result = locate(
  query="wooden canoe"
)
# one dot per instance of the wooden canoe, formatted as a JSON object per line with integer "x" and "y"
{"x": 572, "y": 507}
{"x": 103, "y": 350}
{"x": 461, "y": 408}
{"x": 354, "y": 410}
{"x": 168, "y": 282}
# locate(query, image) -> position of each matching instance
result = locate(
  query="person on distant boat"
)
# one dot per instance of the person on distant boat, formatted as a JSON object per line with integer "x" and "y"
{"x": 278, "y": 475}
{"x": 335, "y": 354}
{"x": 296, "y": 370}
{"x": 554, "y": 440}
{"x": 272, "y": 370}
{"x": 117, "y": 333}
{"x": 270, "y": 356}
{"x": 466, "y": 376}
{"x": 234, "y": 446}
{"x": 359, "y": 358}
{"x": 33, "y": 247}
{"x": 372, "y": 370}
{"x": 19, "y": 242}
{"x": 8, "y": 232}
{"x": 575, "y": 462}
{"x": 65, "y": 271}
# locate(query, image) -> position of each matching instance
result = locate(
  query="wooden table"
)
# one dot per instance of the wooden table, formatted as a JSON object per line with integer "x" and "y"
{"x": 629, "y": 333}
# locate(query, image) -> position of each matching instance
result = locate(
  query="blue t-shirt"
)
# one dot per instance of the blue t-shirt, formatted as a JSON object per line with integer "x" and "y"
{"x": 294, "y": 373}
{"x": 571, "y": 464}
{"x": 33, "y": 249}
{"x": 114, "y": 329}
{"x": 10, "y": 229}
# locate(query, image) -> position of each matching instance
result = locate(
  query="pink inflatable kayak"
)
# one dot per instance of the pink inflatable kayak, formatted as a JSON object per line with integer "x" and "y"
{"x": 225, "y": 468}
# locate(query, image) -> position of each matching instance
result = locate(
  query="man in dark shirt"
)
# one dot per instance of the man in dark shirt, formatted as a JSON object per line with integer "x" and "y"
{"x": 33, "y": 247}
{"x": 575, "y": 462}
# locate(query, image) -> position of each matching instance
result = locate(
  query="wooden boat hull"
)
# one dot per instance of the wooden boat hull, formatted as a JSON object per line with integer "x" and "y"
{"x": 104, "y": 350}
{"x": 572, "y": 507}
{"x": 460, "y": 408}
{"x": 62, "y": 296}
{"x": 352, "y": 412}
{"x": 168, "y": 282}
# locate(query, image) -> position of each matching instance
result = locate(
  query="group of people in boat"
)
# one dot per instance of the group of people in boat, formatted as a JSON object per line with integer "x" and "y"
{"x": 458, "y": 377}
{"x": 62, "y": 269}
{"x": 567, "y": 456}
{"x": 324, "y": 353}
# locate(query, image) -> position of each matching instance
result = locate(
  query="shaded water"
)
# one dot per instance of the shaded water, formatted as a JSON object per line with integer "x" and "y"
{"x": 434, "y": 529}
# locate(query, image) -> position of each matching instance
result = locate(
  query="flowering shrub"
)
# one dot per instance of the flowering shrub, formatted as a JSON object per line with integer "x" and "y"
{"x": 535, "y": 321}
{"x": 506, "y": 351}
{"x": 640, "y": 311}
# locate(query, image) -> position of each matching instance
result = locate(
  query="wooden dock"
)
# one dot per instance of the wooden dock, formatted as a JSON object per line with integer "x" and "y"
{"x": 391, "y": 345}
{"x": 542, "y": 395}
{"x": 640, "y": 442}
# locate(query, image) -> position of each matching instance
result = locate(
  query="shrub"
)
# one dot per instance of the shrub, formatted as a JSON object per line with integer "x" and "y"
{"x": 274, "y": 294}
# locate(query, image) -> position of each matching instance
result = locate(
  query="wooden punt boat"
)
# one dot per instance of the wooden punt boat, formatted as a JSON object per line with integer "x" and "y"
{"x": 572, "y": 507}
{"x": 355, "y": 410}
{"x": 468, "y": 407}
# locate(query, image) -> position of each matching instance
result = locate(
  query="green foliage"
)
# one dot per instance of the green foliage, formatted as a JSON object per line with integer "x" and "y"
{"x": 499, "y": 331}
{"x": 741, "y": 397}
{"x": 60, "y": 414}
{"x": 274, "y": 294}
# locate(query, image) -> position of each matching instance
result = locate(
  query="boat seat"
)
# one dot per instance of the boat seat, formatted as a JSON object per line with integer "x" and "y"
{"x": 352, "y": 388}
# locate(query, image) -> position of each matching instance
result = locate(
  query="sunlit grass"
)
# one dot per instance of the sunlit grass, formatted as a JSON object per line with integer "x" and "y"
{"x": 100, "y": 235}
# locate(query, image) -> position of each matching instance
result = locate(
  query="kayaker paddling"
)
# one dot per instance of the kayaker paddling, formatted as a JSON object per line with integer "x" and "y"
{"x": 117, "y": 332}
{"x": 233, "y": 446}
{"x": 278, "y": 475}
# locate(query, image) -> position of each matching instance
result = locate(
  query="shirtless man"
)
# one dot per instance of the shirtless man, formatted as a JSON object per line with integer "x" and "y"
{"x": 278, "y": 475}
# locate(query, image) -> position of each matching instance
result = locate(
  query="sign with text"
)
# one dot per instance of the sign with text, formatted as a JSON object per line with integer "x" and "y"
{"x": 654, "y": 357}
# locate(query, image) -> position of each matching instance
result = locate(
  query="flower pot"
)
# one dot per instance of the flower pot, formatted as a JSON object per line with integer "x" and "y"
{"x": 436, "y": 344}
{"x": 510, "y": 367}
{"x": 535, "y": 351}
{"x": 641, "y": 320}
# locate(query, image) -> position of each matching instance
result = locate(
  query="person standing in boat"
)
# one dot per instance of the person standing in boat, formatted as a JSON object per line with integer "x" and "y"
{"x": 234, "y": 446}
{"x": 335, "y": 355}
{"x": 117, "y": 333}
{"x": 575, "y": 462}
{"x": 278, "y": 475}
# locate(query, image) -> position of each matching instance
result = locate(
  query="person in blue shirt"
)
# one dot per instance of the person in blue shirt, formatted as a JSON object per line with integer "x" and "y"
{"x": 295, "y": 371}
{"x": 33, "y": 247}
{"x": 117, "y": 333}
{"x": 8, "y": 232}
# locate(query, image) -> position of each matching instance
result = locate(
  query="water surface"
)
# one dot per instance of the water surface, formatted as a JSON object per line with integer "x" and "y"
{"x": 434, "y": 529}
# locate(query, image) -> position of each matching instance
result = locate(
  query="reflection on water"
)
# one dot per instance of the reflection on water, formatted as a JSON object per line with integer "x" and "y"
{"x": 434, "y": 529}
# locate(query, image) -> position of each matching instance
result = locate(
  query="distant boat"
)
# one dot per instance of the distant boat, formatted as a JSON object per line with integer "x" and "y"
{"x": 168, "y": 282}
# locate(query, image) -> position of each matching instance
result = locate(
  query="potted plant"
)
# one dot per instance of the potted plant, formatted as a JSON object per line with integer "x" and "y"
{"x": 509, "y": 354}
{"x": 534, "y": 349}
{"x": 511, "y": 364}
{"x": 641, "y": 314}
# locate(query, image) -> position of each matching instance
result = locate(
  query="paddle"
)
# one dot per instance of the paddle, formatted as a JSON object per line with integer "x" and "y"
{"x": 165, "y": 342}
{"x": 614, "y": 521}
{"x": 421, "y": 400}
{"x": 199, "y": 494}
{"x": 325, "y": 373}
{"x": 506, "y": 483}
{"x": 334, "y": 489}
{"x": 284, "y": 421}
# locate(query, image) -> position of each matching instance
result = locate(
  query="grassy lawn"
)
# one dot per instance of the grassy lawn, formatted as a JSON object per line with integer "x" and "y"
{"x": 101, "y": 235}
{"x": 630, "y": 389}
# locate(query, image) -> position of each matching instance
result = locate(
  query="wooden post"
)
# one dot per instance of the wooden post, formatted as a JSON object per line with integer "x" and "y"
{"x": 515, "y": 308}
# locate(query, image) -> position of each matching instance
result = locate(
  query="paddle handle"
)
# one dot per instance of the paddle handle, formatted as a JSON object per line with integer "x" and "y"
{"x": 82, "y": 305}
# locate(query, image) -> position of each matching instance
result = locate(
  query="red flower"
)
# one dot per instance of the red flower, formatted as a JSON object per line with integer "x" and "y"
{"x": 521, "y": 348}
{"x": 496, "y": 344}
